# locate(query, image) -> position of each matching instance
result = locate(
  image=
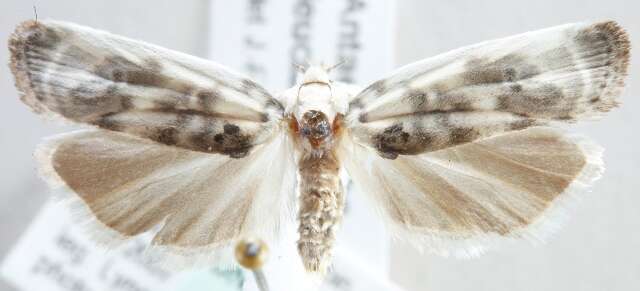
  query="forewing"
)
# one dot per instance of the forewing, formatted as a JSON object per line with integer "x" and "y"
{"x": 90, "y": 76}
{"x": 202, "y": 202}
{"x": 463, "y": 199}
{"x": 564, "y": 73}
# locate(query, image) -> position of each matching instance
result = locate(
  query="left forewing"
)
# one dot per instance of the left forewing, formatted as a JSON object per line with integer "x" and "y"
{"x": 94, "y": 77}
{"x": 462, "y": 199}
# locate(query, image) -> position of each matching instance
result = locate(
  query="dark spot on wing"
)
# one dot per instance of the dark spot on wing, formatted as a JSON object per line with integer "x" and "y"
{"x": 592, "y": 37}
{"x": 510, "y": 74}
{"x": 40, "y": 35}
{"x": 479, "y": 71}
{"x": 85, "y": 103}
{"x": 388, "y": 154}
{"x": 459, "y": 135}
{"x": 207, "y": 99}
{"x": 363, "y": 117}
{"x": 236, "y": 146}
{"x": 534, "y": 100}
{"x": 462, "y": 104}
{"x": 201, "y": 140}
{"x": 76, "y": 57}
{"x": 504, "y": 102}
{"x": 107, "y": 122}
{"x": 219, "y": 138}
{"x": 394, "y": 140}
{"x": 232, "y": 141}
{"x": 168, "y": 136}
{"x": 390, "y": 138}
{"x": 120, "y": 69}
{"x": 126, "y": 102}
{"x": 264, "y": 117}
{"x": 522, "y": 124}
{"x": 566, "y": 117}
{"x": 451, "y": 103}
{"x": 510, "y": 68}
{"x": 549, "y": 95}
{"x": 231, "y": 129}
{"x": 165, "y": 105}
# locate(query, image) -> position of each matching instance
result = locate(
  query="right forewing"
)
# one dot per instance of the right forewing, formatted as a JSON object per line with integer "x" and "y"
{"x": 565, "y": 73}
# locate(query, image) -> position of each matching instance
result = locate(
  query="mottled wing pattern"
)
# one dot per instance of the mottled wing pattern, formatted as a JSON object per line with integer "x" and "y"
{"x": 201, "y": 202}
{"x": 461, "y": 200}
{"x": 90, "y": 76}
{"x": 564, "y": 73}
{"x": 455, "y": 150}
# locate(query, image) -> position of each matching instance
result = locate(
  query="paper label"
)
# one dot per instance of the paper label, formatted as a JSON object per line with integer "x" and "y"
{"x": 56, "y": 254}
{"x": 264, "y": 38}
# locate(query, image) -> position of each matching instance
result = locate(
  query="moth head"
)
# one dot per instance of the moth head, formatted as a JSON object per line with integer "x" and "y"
{"x": 317, "y": 73}
{"x": 315, "y": 127}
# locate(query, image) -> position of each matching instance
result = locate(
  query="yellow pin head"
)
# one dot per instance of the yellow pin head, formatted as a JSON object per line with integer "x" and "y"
{"x": 251, "y": 253}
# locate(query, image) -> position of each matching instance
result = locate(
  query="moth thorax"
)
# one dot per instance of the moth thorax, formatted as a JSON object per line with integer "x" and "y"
{"x": 315, "y": 126}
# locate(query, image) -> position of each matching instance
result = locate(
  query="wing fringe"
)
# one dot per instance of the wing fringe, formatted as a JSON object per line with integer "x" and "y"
{"x": 98, "y": 231}
{"x": 618, "y": 38}
{"x": 18, "y": 46}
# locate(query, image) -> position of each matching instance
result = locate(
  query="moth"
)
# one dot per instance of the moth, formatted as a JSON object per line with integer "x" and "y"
{"x": 456, "y": 152}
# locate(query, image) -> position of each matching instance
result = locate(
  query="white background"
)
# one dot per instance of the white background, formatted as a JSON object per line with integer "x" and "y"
{"x": 599, "y": 249}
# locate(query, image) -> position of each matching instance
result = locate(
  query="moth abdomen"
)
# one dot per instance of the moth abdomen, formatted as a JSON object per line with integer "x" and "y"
{"x": 321, "y": 209}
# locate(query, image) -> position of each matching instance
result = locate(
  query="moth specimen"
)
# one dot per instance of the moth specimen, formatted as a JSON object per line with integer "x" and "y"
{"x": 456, "y": 152}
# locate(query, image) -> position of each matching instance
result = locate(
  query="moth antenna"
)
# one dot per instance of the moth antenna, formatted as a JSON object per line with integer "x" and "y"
{"x": 35, "y": 11}
{"x": 336, "y": 65}
{"x": 300, "y": 68}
